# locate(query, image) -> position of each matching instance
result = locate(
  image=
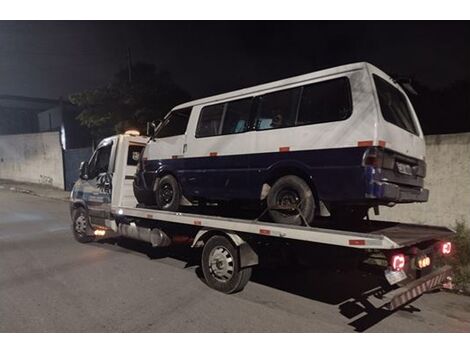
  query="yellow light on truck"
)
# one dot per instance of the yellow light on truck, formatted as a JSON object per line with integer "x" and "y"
{"x": 424, "y": 262}
{"x": 132, "y": 133}
{"x": 100, "y": 232}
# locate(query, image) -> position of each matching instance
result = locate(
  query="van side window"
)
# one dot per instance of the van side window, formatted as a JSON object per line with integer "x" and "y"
{"x": 227, "y": 118}
{"x": 326, "y": 101}
{"x": 175, "y": 124}
{"x": 210, "y": 121}
{"x": 237, "y": 116}
{"x": 277, "y": 109}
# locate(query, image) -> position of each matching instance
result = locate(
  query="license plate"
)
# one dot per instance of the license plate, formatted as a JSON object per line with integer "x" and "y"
{"x": 404, "y": 169}
{"x": 394, "y": 277}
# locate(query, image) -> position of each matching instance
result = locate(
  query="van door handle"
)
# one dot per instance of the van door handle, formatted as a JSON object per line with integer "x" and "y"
{"x": 185, "y": 147}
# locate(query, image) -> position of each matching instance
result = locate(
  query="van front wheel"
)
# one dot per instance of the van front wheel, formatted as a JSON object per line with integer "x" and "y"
{"x": 168, "y": 195}
{"x": 289, "y": 197}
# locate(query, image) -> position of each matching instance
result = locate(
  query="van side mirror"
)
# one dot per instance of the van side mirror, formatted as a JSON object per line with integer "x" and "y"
{"x": 84, "y": 170}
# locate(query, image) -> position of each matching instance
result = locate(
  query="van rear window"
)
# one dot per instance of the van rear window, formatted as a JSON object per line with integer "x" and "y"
{"x": 394, "y": 106}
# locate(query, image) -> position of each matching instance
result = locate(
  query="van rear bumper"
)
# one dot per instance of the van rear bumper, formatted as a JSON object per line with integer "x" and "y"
{"x": 396, "y": 193}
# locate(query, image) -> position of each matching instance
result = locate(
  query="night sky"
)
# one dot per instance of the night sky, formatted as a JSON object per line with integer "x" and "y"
{"x": 52, "y": 59}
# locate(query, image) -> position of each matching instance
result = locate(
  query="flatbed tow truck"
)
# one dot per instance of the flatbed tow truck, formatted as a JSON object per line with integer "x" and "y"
{"x": 408, "y": 257}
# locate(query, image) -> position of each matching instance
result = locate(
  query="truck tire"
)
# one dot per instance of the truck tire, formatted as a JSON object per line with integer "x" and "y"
{"x": 221, "y": 266}
{"x": 291, "y": 192}
{"x": 168, "y": 194}
{"x": 81, "y": 227}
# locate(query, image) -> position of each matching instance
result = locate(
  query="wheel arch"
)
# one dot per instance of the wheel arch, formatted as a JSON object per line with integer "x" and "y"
{"x": 162, "y": 172}
{"x": 296, "y": 169}
{"x": 248, "y": 256}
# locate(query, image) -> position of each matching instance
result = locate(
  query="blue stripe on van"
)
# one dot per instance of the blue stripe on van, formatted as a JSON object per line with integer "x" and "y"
{"x": 337, "y": 173}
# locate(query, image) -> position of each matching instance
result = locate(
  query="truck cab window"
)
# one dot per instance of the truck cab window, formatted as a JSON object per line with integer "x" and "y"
{"x": 175, "y": 124}
{"x": 100, "y": 161}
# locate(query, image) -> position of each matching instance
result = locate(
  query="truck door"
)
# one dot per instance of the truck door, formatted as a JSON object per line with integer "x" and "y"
{"x": 98, "y": 185}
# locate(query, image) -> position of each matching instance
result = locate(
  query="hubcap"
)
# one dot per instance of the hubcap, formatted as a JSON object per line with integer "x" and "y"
{"x": 166, "y": 193}
{"x": 221, "y": 264}
{"x": 80, "y": 225}
{"x": 288, "y": 199}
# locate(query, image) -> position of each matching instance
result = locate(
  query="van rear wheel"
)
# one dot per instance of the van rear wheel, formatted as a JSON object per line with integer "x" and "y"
{"x": 168, "y": 195}
{"x": 289, "y": 197}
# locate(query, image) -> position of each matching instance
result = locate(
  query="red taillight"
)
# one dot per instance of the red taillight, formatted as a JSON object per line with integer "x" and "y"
{"x": 446, "y": 248}
{"x": 398, "y": 262}
{"x": 373, "y": 157}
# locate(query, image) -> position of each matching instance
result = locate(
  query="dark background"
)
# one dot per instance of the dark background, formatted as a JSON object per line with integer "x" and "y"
{"x": 53, "y": 59}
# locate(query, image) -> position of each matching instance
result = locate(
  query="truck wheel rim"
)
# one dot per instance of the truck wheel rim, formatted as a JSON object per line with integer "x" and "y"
{"x": 221, "y": 265}
{"x": 80, "y": 225}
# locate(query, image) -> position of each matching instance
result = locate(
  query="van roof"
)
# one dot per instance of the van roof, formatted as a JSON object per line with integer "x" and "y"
{"x": 276, "y": 84}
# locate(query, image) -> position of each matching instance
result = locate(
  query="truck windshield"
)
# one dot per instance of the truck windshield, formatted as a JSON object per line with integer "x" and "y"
{"x": 394, "y": 106}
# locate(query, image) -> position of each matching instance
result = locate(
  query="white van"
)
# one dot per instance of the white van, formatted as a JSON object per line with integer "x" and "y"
{"x": 346, "y": 138}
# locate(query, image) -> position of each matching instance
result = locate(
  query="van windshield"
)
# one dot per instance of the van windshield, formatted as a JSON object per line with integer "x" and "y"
{"x": 394, "y": 106}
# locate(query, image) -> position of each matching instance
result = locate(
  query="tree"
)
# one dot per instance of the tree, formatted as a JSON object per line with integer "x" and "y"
{"x": 121, "y": 105}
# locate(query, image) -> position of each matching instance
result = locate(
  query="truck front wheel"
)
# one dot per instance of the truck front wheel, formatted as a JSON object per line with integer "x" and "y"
{"x": 221, "y": 266}
{"x": 81, "y": 227}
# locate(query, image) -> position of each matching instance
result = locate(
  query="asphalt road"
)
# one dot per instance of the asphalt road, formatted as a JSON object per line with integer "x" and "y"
{"x": 50, "y": 283}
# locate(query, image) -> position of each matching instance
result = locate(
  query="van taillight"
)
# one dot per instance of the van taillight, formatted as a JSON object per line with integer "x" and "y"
{"x": 373, "y": 157}
{"x": 446, "y": 248}
{"x": 398, "y": 262}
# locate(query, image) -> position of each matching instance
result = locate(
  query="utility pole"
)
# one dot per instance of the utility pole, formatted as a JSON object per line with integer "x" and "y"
{"x": 129, "y": 64}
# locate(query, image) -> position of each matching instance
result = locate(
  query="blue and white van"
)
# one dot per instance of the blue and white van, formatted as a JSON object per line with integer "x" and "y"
{"x": 336, "y": 141}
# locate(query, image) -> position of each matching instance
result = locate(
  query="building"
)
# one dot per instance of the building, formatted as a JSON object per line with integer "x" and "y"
{"x": 19, "y": 115}
{"x": 41, "y": 140}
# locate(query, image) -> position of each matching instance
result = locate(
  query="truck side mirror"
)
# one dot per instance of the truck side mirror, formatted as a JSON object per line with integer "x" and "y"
{"x": 84, "y": 170}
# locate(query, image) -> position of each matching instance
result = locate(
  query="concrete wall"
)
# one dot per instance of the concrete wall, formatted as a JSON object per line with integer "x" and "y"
{"x": 448, "y": 179}
{"x": 35, "y": 157}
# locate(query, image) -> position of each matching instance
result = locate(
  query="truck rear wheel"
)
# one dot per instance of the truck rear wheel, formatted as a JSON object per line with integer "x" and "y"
{"x": 221, "y": 266}
{"x": 81, "y": 227}
{"x": 289, "y": 196}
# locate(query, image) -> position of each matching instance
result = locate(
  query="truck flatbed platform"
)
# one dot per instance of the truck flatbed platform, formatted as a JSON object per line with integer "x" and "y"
{"x": 370, "y": 234}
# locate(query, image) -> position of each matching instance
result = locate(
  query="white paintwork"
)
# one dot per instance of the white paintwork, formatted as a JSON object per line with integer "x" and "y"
{"x": 122, "y": 188}
{"x": 365, "y": 123}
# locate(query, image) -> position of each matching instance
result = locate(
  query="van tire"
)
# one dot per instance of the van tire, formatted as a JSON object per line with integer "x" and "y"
{"x": 291, "y": 190}
{"x": 81, "y": 227}
{"x": 168, "y": 194}
{"x": 228, "y": 277}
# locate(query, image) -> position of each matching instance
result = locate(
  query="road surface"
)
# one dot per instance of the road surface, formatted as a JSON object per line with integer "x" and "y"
{"x": 50, "y": 283}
